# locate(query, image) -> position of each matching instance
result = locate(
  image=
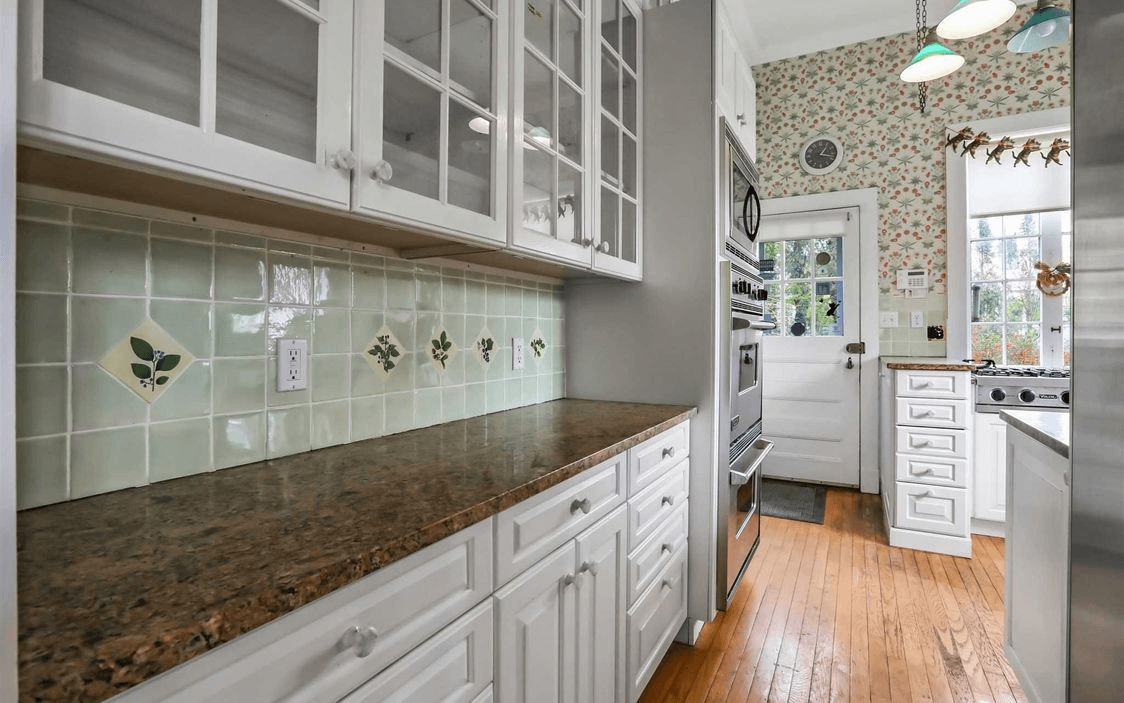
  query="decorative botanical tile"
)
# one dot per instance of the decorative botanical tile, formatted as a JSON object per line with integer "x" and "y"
{"x": 147, "y": 360}
{"x": 442, "y": 350}
{"x": 538, "y": 346}
{"x": 486, "y": 347}
{"x": 384, "y": 352}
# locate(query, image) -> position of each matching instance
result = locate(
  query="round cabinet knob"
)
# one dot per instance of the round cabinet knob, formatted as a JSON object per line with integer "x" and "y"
{"x": 362, "y": 640}
{"x": 998, "y": 394}
{"x": 587, "y": 242}
{"x": 603, "y": 247}
{"x": 668, "y": 500}
{"x": 343, "y": 160}
{"x": 382, "y": 172}
{"x": 669, "y": 452}
{"x": 1027, "y": 396}
{"x": 583, "y": 505}
{"x": 1065, "y": 397}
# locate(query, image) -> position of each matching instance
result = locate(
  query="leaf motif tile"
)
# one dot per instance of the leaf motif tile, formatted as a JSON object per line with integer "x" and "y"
{"x": 148, "y": 360}
{"x": 537, "y": 345}
{"x": 486, "y": 347}
{"x": 384, "y": 353}
{"x": 442, "y": 350}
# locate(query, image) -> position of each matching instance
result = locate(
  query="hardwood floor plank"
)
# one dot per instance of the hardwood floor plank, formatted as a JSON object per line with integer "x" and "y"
{"x": 860, "y": 647}
{"x": 912, "y": 637}
{"x": 781, "y": 687}
{"x": 968, "y": 594}
{"x": 820, "y": 689}
{"x": 977, "y": 679}
{"x": 935, "y": 672}
{"x": 955, "y": 674}
{"x": 841, "y": 652}
{"x": 895, "y": 646}
{"x": 876, "y": 632}
{"x": 801, "y": 686}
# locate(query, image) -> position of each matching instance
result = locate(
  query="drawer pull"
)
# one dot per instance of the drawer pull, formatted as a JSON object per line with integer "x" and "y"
{"x": 361, "y": 640}
{"x": 922, "y": 443}
{"x": 583, "y": 505}
{"x": 665, "y": 586}
{"x": 668, "y": 500}
{"x": 927, "y": 413}
{"x": 926, "y": 494}
{"x": 669, "y": 453}
{"x": 924, "y": 384}
{"x": 923, "y": 472}
{"x": 568, "y": 580}
{"x": 588, "y": 567}
{"x": 665, "y": 548}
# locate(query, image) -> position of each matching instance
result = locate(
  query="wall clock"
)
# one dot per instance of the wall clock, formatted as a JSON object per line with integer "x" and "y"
{"x": 821, "y": 155}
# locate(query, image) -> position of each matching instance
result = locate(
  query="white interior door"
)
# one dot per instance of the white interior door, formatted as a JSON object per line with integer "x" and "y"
{"x": 810, "y": 408}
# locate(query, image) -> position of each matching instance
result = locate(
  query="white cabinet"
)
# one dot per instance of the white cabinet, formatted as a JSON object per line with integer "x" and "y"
{"x": 602, "y": 603}
{"x": 735, "y": 91}
{"x": 745, "y": 114}
{"x": 653, "y": 622}
{"x": 431, "y": 128}
{"x": 989, "y": 468}
{"x": 254, "y": 93}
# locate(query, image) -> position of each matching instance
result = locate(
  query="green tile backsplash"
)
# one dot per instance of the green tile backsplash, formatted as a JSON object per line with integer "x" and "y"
{"x": 87, "y": 278}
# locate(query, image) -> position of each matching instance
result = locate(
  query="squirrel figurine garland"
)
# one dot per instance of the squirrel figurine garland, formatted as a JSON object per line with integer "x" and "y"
{"x": 968, "y": 143}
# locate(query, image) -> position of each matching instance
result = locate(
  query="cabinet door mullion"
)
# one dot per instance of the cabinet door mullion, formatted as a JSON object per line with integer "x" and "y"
{"x": 208, "y": 65}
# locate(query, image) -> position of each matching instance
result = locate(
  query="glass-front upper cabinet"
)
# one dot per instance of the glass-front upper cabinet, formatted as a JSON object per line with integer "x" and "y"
{"x": 431, "y": 131}
{"x": 252, "y": 93}
{"x": 551, "y": 132}
{"x": 618, "y": 242}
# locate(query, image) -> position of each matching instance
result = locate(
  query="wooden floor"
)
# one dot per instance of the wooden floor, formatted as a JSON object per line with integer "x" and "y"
{"x": 833, "y": 613}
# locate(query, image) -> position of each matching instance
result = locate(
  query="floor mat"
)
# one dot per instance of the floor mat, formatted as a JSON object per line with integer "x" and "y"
{"x": 793, "y": 501}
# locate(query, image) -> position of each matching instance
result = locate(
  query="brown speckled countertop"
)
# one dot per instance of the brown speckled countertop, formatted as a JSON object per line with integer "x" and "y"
{"x": 117, "y": 588}
{"x": 916, "y": 363}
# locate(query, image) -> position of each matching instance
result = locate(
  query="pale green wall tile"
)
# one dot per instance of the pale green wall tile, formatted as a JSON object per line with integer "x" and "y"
{"x": 40, "y": 328}
{"x": 331, "y": 376}
{"x": 177, "y": 449}
{"x": 107, "y": 460}
{"x": 427, "y": 407}
{"x": 497, "y": 299}
{"x": 331, "y": 332}
{"x": 239, "y": 439}
{"x": 426, "y": 329}
{"x": 513, "y": 393}
{"x": 286, "y": 323}
{"x": 453, "y": 294}
{"x": 475, "y": 302}
{"x": 369, "y": 286}
{"x": 475, "y": 400}
{"x": 275, "y": 398}
{"x": 399, "y": 413}
{"x": 42, "y": 254}
{"x": 288, "y": 432}
{"x": 281, "y": 245}
{"x": 98, "y": 324}
{"x": 189, "y": 396}
{"x": 39, "y": 210}
{"x": 514, "y": 301}
{"x": 401, "y": 377}
{"x": 402, "y": 325}
{"x": 40, "y": 400}
{"x": 429, "y": 292}
{"x": 364, "y": 379}
{"x": 159, "y": 228}
{"x": 494, "y": 396}
{"x": 367, "y": 417}
{"x": 365, "y": 324}
{"x": 453, "y": 404}
{"x": 290, "y": 279}
{"x": 41, "y": 472}
{"x": 239, "y": 385}
{"x": 181, "y": 269}
{"x": 239, "y": 274}
{"x": 189, "y": 323}
{"x": 239, "y": 239}
{"x": 99, "y": 400}
{"x": 331, "y": 254}
{"x": 425, "y": 374}
{"x": 108, "y": 262}
{"x": 240, "y": 329}
{"x": 330, "y": 424}
{"x": 401, "y": 293}
{"x": 109, "y": 220}
{"x": 331, "y": 284}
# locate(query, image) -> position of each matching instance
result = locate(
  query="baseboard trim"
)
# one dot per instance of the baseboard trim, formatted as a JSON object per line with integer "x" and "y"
{"x": 991, "y": 528}
{"x": 929, "y": 542}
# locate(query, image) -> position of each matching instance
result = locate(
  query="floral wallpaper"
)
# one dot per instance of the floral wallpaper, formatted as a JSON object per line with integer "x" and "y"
{"x": 854, "y": 94}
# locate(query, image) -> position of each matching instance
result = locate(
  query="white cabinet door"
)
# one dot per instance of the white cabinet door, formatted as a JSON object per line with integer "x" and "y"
{"x": 551, "y": 140}
{"x": 989, "y": 467}
{"x": 535, "y": 633}
{"x": 601, "y": 608}
{"x": 725, "y": 62}
{"x": 253, "y": 93}
{"x": 431, "y": 127}
{"x": 745, "y": 115}
{"x": 617, "y": 246}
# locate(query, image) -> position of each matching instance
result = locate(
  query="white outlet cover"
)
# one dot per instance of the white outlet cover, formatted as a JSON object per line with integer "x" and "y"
{"x": 916, "y": 319}
{"x": 889, "y": 319}
{"x": 516, "y": 353}
{"x": 292, "y": 365}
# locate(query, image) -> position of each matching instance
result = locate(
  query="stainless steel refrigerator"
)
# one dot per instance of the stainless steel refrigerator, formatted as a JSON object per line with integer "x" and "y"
{"x": 1096, "y": 648}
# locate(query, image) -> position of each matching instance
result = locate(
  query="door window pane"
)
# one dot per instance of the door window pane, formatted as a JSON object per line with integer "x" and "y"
{"x": 570, "y": 43}
{"x": 470, "y": 47}
{"x": 142, "y": 53}
{"x": 774, "y": 311}
{"x": 267, "y": 76}
{"x": 411, "y": 131}
{"x": 829, "y": 308}
{"x": 986, "y": 228}
{"x": 470, "y": 160}
{"x": 414, "y": 28}
{"x": 538, "y": 187}
{"x": 770, "y": 256}
{"x": 796, "y": 254}
{"x": 829, "y": 257}
{"x": 798, "y": 309}
{"x": 570, "y": 189}
{"x": 1025, "y": 225}
{"x": 538, "y": 25}
{"x": 628, "y": 230}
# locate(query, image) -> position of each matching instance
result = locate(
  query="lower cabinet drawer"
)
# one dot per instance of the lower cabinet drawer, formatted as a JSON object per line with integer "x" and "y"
{"x": 934, "y": 471}
{"x": 647, "y": 560}
{"x": 933, "y": 412}
{"x": 648, "y": 510}
{"x": 654, "y": 621}
{"x": 932, "y": 509}
{"x": 933, "y": 441}
{"x": 453, "y": 666}
{"x": 649, "y": 460}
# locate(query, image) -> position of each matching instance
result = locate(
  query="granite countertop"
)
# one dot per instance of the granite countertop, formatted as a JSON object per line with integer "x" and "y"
{"x": 117, "y": 588}
{"x": 1049, "y": 428}
{"x": 919, "y": 363}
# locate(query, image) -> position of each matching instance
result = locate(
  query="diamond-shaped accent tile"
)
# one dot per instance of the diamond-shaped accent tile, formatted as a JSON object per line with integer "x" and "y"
{"x": 384, "y": 352}
{"x": 537, "y": 345}
{"x": 442, "y": 350}
{"x": 148, "y": 360}
{"x": 486, "y": 347}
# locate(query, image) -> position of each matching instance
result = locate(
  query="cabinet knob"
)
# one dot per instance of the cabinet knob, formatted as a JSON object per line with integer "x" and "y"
{"x": 927, "y": 413}
{"x": 668, "y": 500}
{"x": 922, "y": 443}
{"x": 342, "y": 160}
{"x": 382, "y": 172}
{"x": 583, "y": 505}
{"x": 669, "y": 453}
{"x": 741, "y": 118}
{"x": 665, "y": 548}
{"x": 568, "y": 580}
{"x": 362, "y": 640}
{"x": 587, "y": 242}
{"x": 588, "y": 568}
{"x": 603, "y": 247}
{"x": 665, "y": 586}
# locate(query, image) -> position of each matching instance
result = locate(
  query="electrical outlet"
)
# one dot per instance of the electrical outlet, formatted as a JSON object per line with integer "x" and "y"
{"x": 916, "y": 319}
{"x": 292, "y": 365}
{"x": 516, "y": 353}
{"x": 889, "y": 319}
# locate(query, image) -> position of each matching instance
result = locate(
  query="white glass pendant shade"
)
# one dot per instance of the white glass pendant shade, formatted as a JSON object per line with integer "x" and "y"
{"x": 934, "y": 61}
{"x": 971, "y": 18}
{"x": 1047, "y": 27}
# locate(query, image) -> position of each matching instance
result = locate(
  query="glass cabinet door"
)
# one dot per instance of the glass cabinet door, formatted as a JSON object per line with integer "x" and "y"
{"x": 551, "y": 129}
{"x": 432, "y": 141}
{"x": 618, "y": 238}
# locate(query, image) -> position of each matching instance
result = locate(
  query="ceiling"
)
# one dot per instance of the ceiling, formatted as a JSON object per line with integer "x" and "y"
{"x": 769, "y": 30}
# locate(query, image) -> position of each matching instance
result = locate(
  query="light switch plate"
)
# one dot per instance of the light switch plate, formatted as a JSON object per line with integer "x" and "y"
{"x": 889, "y": 319}
{"x": 516, "y": 353}
{"x": 292, "y": 365}
{"x": 916, "y": 319}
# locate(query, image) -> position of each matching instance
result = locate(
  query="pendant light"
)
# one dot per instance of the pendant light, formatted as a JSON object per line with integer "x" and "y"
{"x": 933, "y": 61}
{"x": 1047, "y": 27}
{"x": 971, "y": 18}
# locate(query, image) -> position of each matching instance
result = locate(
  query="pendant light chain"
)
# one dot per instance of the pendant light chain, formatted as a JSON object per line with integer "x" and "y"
{"x": 922, "y": 31}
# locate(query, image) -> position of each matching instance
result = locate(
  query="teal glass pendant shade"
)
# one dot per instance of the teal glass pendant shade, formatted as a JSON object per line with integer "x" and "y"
{"x": 1047, "y": 27}
{"x": 935, "y": 60}
{"x": 971, "y": 18}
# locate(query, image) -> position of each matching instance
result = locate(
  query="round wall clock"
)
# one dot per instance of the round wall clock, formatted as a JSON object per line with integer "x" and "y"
{"x": 821, "y": 155}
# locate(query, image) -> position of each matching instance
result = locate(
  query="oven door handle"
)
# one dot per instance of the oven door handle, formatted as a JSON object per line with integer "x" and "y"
{"x": 760, "y": 450}
{"x": 764, "y": 326}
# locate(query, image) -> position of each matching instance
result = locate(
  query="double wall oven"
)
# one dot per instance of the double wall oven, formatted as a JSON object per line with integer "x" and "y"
{"x": 739, "y": 527}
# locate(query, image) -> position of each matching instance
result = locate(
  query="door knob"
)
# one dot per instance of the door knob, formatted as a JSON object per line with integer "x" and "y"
{"x": 850, "y": 363}
{"x": 382, "y": 172}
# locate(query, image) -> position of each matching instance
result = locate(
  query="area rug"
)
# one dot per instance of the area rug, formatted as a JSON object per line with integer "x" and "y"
{"x": 793, "y": 501}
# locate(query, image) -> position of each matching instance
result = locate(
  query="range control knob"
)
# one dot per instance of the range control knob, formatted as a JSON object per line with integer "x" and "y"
{"x": 998, "y": 395}
{"x": 762, "y": 294}
{"x": 1027, "y": 396}
{"x": 1065, "y": 397}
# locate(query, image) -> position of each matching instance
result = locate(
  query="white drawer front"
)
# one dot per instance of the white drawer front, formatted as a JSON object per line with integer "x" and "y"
{"x": 933, "y": 412}
{"x": 933, "y": 471}
{"x": 647, "y": 560}
{"x": 932, "y": 509}
{"x": 648, "y": 510}
{"x": 532, "y": 529}
{"x": 650, "y": 460}
{"x": 934, "y": 384}
{"x": 654, "y": 621}
{"x": 948, "y": 444}
{"x": 453, "y": 666}
{"x": 311, "y": 655}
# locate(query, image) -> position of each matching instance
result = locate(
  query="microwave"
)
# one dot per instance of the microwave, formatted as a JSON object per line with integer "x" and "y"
{"x": 741, "y": 201}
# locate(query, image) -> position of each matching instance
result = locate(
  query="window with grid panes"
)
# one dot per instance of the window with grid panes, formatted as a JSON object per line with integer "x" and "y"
{"x": 804, "y": 278}
{"x": 618, "y": 129}
{"x": 1011, "y": 321}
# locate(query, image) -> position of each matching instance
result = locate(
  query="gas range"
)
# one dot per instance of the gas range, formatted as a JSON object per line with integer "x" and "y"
{"x": 1002, "y": 387}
